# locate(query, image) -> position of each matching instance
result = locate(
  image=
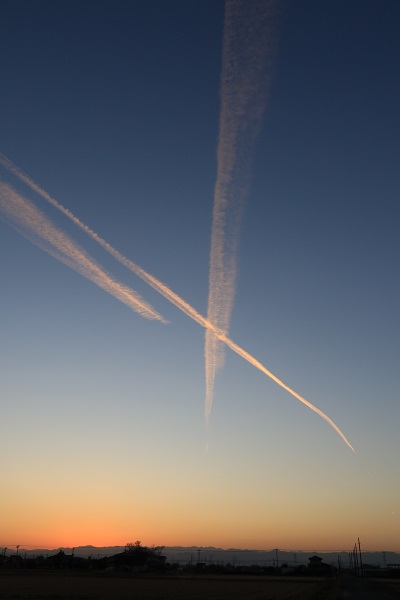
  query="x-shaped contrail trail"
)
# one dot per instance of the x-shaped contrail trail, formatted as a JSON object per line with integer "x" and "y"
{"x": 165, "y": 291}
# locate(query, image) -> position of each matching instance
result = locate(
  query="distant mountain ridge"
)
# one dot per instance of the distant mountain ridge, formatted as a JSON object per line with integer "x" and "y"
{"x": 235, "y": 556}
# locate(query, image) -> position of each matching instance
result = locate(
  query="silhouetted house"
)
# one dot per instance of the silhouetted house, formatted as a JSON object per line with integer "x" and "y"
{"x": 59, "y": 560}
{"x": 315, "y": 562}
{"x": 318, "y": 567}
{"x": 137, "y": 559}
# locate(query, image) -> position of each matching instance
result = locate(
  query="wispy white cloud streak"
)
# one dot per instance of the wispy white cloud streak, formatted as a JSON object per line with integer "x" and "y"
{"x": 34, "y": 225}
{"x": 249, "y": 42}
{"x": 163, "y": 290}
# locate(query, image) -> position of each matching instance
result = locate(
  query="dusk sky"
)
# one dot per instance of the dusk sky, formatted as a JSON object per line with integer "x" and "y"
{"x": 110, "y": 431}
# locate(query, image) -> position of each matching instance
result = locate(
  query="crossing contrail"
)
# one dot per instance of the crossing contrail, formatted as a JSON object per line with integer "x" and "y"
{"x": 167, "y": 293}
{"x": 249, "y": 42}
{"x": 35, "y": 226}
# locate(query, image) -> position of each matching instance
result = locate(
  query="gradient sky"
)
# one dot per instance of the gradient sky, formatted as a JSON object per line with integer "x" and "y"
{"x": 113, "y": 109}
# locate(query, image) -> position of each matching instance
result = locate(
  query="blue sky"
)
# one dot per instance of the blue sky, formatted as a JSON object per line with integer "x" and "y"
{"x": 113, "y": 109}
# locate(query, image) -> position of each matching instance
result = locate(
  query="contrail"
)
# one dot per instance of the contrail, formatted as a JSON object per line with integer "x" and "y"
{"x": 165, "y": 291}
{"x": 253, "y": 361}
{"x": 249, "y": 42}
{"x": 30, "y": 222}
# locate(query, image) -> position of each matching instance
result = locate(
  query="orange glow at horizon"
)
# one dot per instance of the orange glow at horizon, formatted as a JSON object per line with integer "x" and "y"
{"x": 63, "y": 521}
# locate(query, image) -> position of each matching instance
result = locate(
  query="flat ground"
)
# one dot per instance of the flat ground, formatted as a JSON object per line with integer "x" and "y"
{"x": 71, "y": 586}
{"x": 370, "y": 589}
{"x": 35, "y": 585}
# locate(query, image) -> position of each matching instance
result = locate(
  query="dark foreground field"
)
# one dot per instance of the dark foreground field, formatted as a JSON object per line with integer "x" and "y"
{"x": 72, "y": 586}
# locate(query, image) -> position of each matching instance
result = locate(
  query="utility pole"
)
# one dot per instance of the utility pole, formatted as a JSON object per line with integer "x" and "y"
{"x": 355, "y": 559}
{"x": 361, "y": 563}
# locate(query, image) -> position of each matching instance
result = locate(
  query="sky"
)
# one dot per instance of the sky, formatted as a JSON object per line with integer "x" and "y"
{"x": 107, "y": 432}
